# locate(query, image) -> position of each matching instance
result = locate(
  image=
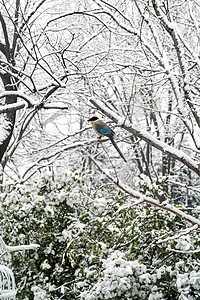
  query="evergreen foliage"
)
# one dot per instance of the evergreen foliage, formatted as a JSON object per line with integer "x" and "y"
{"x": 94, "y": 244}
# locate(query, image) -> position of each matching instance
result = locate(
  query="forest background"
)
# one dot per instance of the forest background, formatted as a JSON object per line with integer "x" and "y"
{"x": 106, "y": 229}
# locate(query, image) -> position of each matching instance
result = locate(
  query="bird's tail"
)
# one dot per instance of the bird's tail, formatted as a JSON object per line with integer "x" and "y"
{"x": 117, "y": 148}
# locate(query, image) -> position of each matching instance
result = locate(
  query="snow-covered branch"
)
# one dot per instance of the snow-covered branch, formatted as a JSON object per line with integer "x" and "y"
{"x": 177, "y": 235}
{"x": 147, "y": 137}
{"x": 168, "y": 207}
{"x": 12, "y": 107}
{"x": 9, "y": 249}
{"x": 142, "y": 198}
{"x": 185, "y": 186}
{"x": 184, "y": 252}
{"x": 31, "y": 102}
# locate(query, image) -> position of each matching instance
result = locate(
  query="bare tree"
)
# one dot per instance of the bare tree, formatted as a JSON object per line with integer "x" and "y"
{"x": 135, "y": 62}
{"x": 161, "y": 55}
{"x": 26, "y": 70}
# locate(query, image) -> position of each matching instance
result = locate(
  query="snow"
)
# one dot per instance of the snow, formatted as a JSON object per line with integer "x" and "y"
{"x": 155, "y": 295}
{"x": 17, "y": 248}
{"x": 119, "y": 272}
{"x": 45, "y": 265}
{"x": 183, "y": 282}
{"x": 168, "y": 207}
{"x": 196, "y": 135}
{"x": 183, "y": 244}
{"x": 39, "y": 294}
{"x": 195, "y": 279}
{"x": 145, "y": 278}
{"x": 49, "y": 209}
{"x": 65, "y": 234}
{"x": 8, "y": 295}
{"x": 121, "y": 121}
{"x": 14, "y": 106}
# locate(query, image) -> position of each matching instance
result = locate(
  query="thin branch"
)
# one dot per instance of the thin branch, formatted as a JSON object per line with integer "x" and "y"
{"x": 56, "y": 154}
{"x": 188, "y": 187}
{"x": 177, "y": 235}
{"x": 184, "y": 252}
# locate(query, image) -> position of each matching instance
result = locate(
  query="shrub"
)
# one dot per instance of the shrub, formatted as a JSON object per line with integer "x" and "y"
{"x": 92, "y": 246}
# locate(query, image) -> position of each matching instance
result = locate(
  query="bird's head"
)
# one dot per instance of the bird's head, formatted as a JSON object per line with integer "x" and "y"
{"x": 93, "y": 119}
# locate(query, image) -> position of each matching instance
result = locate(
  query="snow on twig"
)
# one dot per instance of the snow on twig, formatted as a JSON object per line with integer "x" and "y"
{"x": 187, "y": 187}
{"x": 48, "y": 159}
{"x": 168, "y": 207}
{"x": 129, "y": 206}
{"x": 185, "y": 252}
{"x": 177, "y": 235}
{"x": 9, "y": 249}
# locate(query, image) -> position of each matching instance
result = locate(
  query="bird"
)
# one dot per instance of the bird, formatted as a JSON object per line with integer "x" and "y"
{"x": 102, "y": 129}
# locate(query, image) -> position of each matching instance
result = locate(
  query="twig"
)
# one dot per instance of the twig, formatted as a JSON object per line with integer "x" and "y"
{"x": 177, "y": 235}
{"x": 185, "y": 252}
{"x": 188, "y": 187}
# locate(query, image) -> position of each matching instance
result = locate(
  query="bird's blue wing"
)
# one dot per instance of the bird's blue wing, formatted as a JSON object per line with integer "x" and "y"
{"x": 107, "y": 131}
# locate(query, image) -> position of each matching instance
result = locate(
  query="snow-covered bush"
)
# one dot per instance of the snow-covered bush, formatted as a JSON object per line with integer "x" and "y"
{"x": 94, "y": 245}
{"x": 42, "y": 212}
{"x": 121, "y": 279}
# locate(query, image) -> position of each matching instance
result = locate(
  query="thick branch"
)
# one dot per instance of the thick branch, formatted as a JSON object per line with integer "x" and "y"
{"x": 5, "y": 32}
{"x": 11, "y": 107}
{"x": 28, "y": 99}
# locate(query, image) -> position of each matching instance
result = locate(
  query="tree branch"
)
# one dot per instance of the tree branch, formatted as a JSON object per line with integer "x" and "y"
{"x": 7, "y": 248}
{"x": 167, "y": 207}
{"x": 11, "y": 107}
{"x": 5, "y": 32}
{"x": 19, "y": 94}
{"x": 147, "y": 137}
